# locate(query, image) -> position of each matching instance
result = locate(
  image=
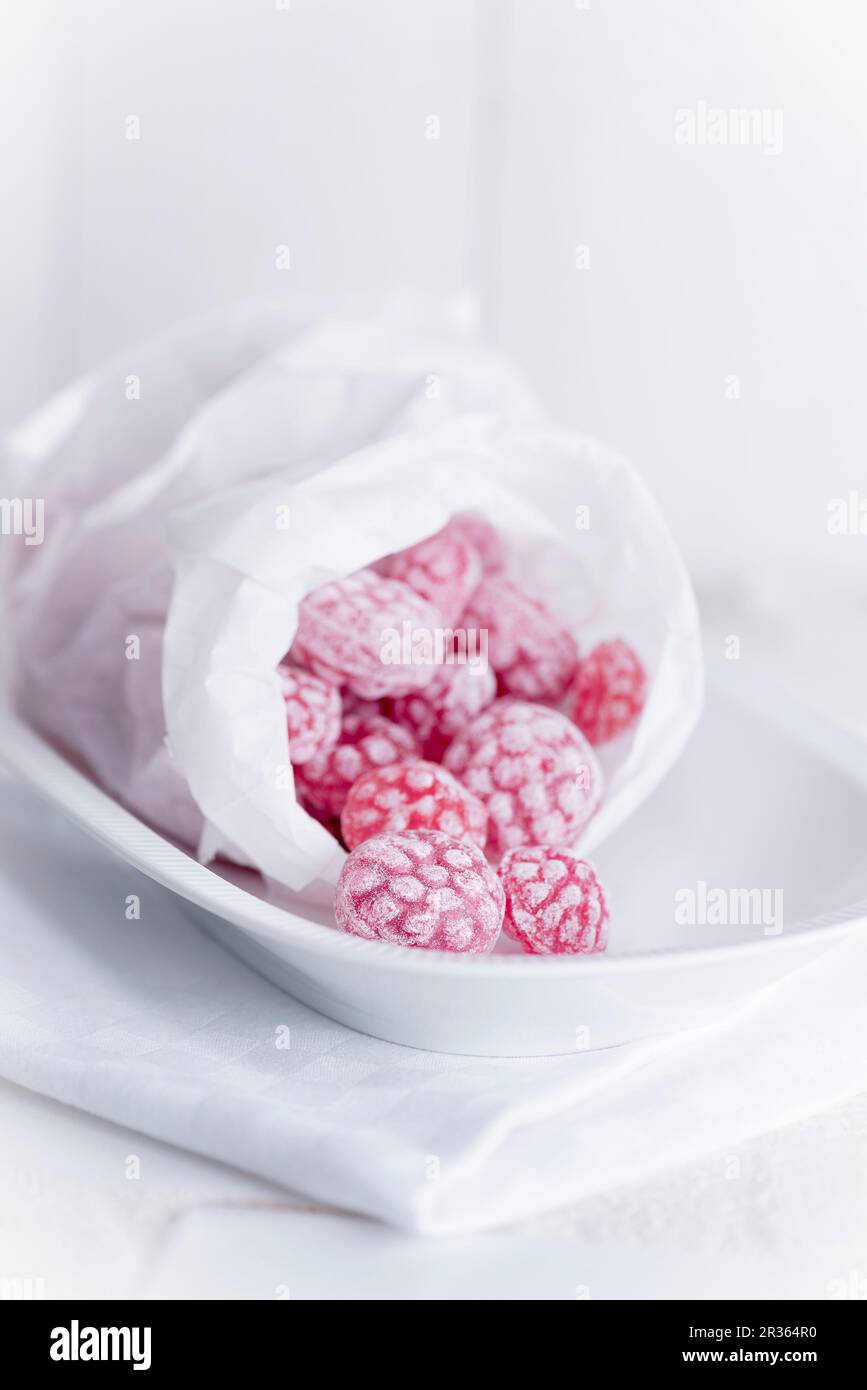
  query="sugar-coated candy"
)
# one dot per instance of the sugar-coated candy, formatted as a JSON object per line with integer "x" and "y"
{"x": 532, "y": 653}
{"x": 421, "y": 888}
{"x": 555, "y": 904}
{"x": 533, "y": 769}
{"x": 351, "y": 632}
{"x": 365, "y": 742}
{"x": 609, "y": 691}
{"x": 444, "y": 569}
{"x": 484, "y": 537}
{"x": 450, "y": 701}
{"x": 354, "y": 708}
{"x": 412, "y": 795}
{"x": 312, "y": 713}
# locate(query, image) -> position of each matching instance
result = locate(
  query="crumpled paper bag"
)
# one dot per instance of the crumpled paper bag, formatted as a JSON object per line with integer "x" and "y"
{"x": 584, "y": 535}
{"x": 254, "y": 393}
{"x": 190, "y": 504}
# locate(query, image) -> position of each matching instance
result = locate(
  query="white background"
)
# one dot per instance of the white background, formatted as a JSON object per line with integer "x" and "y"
{"x": 306, "y": 125}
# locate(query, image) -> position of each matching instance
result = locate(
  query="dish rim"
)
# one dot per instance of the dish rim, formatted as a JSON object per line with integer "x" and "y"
{"x": 36, "y": 761}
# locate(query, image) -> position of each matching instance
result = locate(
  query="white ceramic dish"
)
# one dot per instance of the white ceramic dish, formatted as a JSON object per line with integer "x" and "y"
{"x": 763, "y": 798}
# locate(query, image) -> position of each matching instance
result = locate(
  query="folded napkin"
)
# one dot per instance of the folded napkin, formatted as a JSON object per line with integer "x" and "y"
{"x": 147, "y": 1022}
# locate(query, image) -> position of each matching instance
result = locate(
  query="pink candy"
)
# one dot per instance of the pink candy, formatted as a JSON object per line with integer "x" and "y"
{"x": 449, "y": 702}
{"x": 444, "y": 569}
{"x": 350, "y": 632}
{"x": 555, "y": 904}
{"x": 609, "y": 691}
{"x": 533, "y": 769}
{"x": 356, "y": 709}
{"x": 420, "y": 888}
{"x": 365, "y": 743}
{"x": 312, "y": 714}
{"x": 412, "y": 795}
{"x": 485, "y": 538}
{"x": 426, "y": 768}
{"x": 533, "y": 655}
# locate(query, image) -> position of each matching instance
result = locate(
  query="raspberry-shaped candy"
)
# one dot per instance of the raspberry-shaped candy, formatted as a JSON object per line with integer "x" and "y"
{"x": 412, "y": 796}
{"x": 312, "y": 713}
{"x": 535, "y": 772}
{"x": 355, "y": 708}
{"x": 358, "y": 631}
{"x": 446, "y": 705}
{"x": 444, "y": 569}
{"x": 484, "y": 537}
{"x": 609, "y": 691}
{"x": 420, "y": 888}
{"x": 555, "y": 904}
{"x": 533, "y": 656}
{"x": 365, "y": 743}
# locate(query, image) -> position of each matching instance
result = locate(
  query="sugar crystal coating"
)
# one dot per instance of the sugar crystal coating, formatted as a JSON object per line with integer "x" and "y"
{"x": 366, "y": 742}
{"x": 609, "y": 691}
{"x": 412, "y": 795}
{"x": 486, "y": 539}
{"x": 450, "y": 701}
{"x": 532, "y": 653}
{"x": 350, "y": 632}
{"x": 533, "y": 769}
{"x": 313, "y": 713}
{"x": 555, "y": 904}
{"x": 420, "y": 888}
{"x": 354, "y": 708}
{"x": 444, "y": 569}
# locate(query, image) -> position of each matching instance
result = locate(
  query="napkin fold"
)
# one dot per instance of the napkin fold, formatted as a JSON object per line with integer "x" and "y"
{"x": 113, "y": 1002}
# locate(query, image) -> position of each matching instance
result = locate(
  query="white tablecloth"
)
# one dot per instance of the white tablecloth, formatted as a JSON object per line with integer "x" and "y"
{"x": 91, "y": 1208}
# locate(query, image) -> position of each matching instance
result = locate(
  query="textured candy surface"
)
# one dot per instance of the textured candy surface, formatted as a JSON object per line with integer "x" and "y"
{"x": 420, "y": 888}
{"x": 535, "y": 772}
{"x": 555, "y": 904}
{"x": 486, "y": 539}
{"x": 449, "y": 702}
{"x": 350, "y": 633}
{"x": 609, "y": 691}
{"x": 413, "y": 795}
{"x": 366, "y": 742}
{"x": 533, "y": 655}
{"x": 312, "y": 713}
{"x": 444, "y": 569}
{"x": 354, "y": 708}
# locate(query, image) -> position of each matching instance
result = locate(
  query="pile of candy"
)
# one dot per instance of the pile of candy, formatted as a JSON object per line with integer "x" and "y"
{"x": 457, "y": 781}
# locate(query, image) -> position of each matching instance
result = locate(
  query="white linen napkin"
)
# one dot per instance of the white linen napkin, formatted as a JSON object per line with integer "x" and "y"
{"x": 150, "y": 1024}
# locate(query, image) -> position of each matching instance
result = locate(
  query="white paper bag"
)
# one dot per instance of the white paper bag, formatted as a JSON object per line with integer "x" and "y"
{"x": 584, "y": 535}
{"x": 256, "y": 393}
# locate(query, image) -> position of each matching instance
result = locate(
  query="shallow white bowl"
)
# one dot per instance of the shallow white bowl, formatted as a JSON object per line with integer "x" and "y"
{"x": 763, "y": 798}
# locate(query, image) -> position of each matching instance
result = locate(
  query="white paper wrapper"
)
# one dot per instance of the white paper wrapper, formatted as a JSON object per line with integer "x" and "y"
{"x": 240, "y": 574}
{"x": 253, "y": 394}
{"x": 358, "y": 432}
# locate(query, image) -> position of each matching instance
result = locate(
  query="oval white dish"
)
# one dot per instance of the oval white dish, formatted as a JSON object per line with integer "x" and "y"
{"x": 761, "y": 821}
